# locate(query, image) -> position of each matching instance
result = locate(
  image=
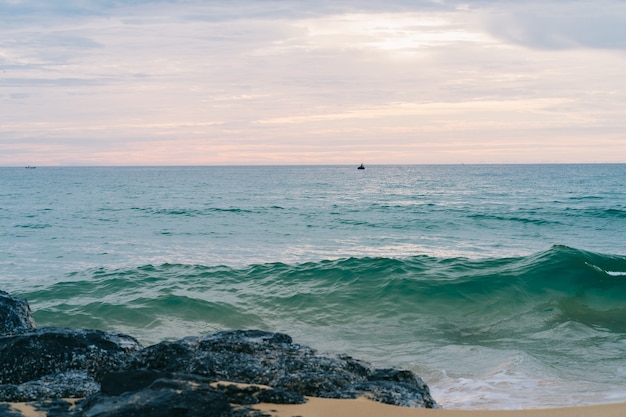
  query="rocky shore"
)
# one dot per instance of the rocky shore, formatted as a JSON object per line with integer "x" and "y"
{"x": 222, "y": 374}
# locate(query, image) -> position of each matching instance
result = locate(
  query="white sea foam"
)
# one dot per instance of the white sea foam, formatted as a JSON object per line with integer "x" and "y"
{"x": 512, "y": 389}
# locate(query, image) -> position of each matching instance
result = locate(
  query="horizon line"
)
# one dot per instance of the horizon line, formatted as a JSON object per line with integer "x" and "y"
{"x": 313, "y": 165}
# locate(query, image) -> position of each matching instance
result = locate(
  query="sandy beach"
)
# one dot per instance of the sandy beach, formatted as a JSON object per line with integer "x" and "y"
{"x": 362, "y": 407}
{"x": 321, "y": 407}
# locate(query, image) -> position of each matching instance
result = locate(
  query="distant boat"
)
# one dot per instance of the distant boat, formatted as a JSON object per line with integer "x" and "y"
{"x": 361, "y": 166}
{"x": 30, "y": 167}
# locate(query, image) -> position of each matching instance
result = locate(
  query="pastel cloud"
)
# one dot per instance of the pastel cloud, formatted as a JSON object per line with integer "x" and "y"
{"x": 165, "y": 82}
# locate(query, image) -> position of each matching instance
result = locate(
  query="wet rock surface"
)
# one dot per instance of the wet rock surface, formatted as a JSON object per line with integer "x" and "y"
{"x": 166, "y": 396}
{"x": 119, "y": 377}
{"x": 69, "y": 384}
{"x": 28, "y": 356}
{"x": 258, "y": 357}
{"x": 15, "y": 315}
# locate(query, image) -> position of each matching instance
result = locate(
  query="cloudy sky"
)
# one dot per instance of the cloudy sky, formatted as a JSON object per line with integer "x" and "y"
{"x": 190, "y": 82}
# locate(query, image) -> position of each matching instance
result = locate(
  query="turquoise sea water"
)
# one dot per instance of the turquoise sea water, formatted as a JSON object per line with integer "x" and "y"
{"x": 503, "y": 286}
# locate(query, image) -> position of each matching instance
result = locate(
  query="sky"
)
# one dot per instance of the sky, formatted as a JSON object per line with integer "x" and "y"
{"x": 247, "y": 82}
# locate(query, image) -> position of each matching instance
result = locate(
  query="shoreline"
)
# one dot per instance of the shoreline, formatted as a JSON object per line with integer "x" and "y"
{"x": 276, "y": 376}
{"x": 363, "y": 407}
{"x": 324, "y": 407}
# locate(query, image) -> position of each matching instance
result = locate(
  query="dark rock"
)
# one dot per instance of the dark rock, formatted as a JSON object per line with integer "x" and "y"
{"x": 396, "y": 393}
{"x": 251, "y": 357}
{"x": 280, "y": 396}
{"x": 69, "y": 384}
{"x": 166, "y": 397}
{"x": 116, "y": 383}
{"x": 29, "y": 356}
{"x": 161, "y": 394}
{"x": 257, "y": 357}
{"x": 15, "y": 315}
{"x": 396, "y": 375}
{"x": 316, "y": 384}
{"x": 178, "y": 378}
{"x": 167, "y": 356}
{"x": 254, "y": 394}
{"x": 244, "y": 395}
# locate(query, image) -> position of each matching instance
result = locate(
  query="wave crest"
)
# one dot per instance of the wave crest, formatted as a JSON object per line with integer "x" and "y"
{"x": 457, "y": 298}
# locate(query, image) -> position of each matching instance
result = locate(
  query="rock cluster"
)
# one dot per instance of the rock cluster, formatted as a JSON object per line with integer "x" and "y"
{"x": 116, "y": 376}
{"x": 15, "y": 315}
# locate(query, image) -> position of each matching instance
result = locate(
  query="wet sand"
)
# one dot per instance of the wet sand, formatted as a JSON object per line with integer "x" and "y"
{"x": 362, "y": 407}
{"x": 320, "y": 407}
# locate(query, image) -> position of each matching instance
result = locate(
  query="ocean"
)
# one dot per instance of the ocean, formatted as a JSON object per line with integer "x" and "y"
{"x": 502, "y": 286}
